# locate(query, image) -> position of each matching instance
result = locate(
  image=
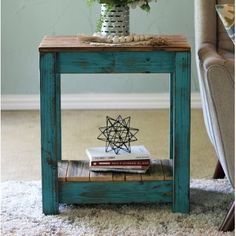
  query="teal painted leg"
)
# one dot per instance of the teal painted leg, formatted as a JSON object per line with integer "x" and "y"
{"x": 172, "y": 80}
{"x": 181, "y": 131}
{"x": 58, "y": 114}
{"x": 50, "y": 131}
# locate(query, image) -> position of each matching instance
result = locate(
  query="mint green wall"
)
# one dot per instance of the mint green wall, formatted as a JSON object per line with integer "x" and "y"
{"x": 25, "y": 22}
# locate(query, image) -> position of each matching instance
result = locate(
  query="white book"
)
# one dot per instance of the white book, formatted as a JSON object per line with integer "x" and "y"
{"x": 99, "y": 154}
{"x": 125, "y": 170}
{"x": 118, "y": 167}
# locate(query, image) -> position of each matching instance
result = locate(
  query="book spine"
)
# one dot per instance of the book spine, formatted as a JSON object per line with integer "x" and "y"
{"x": 118, "y": 157}
{"x": 119, "y": 170}
{"x": 118, "y": 167}
{"x": 121, "y": 163}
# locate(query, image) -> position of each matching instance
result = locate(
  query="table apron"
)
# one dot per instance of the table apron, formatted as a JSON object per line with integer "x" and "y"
{"x": 115, "y": 62}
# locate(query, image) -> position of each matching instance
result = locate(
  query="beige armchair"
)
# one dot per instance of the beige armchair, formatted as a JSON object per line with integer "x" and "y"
{"x": 215, "y": 64}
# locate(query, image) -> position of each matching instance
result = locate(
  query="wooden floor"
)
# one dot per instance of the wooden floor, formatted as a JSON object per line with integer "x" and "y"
{"x": 78, "y": 171}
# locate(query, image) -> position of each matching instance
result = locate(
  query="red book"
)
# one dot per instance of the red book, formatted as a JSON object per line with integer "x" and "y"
{"x": 121, "y": 163}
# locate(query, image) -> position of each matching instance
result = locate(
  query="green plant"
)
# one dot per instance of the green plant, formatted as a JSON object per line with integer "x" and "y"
{"x": 143, "y": 4}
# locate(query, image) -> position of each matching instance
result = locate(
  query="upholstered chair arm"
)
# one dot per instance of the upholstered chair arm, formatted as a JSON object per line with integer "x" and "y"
{"x": 209, "y": 57}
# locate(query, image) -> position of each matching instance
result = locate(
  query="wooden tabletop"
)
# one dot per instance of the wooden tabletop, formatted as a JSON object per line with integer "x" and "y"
{"x": 73, "y": 43}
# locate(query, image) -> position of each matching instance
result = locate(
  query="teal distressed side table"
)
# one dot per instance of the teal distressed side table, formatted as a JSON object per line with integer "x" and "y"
{"x": 65, "y": 54}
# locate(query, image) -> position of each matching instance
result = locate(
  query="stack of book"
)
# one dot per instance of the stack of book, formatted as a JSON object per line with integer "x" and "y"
{"x": 138, "y": 161}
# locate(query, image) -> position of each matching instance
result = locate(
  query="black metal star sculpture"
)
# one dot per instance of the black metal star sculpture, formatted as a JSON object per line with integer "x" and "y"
{"x": 118, "y": 134}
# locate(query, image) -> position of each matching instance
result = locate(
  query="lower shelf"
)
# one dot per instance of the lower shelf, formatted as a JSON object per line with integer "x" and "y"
{"x": 79, "y": 185}
{"x": 78, "y": 171}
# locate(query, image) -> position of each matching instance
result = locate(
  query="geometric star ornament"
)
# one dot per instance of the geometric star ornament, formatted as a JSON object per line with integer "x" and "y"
{"x": 118, "y": 134}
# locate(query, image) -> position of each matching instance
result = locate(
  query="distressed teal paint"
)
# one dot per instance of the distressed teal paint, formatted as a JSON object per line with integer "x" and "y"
{"x": 181, "y": 132}
{"x": 58, "y": 113}
{"x": 172, "y": 96}
{"x": 50, "y": 131}
{"x": 175, "y": 63}
{"x": 115, "y": 192}
{"x": 113, "y": 62}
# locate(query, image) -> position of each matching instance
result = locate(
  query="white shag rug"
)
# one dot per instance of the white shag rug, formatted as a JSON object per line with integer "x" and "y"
{"x": 21, "y": 214}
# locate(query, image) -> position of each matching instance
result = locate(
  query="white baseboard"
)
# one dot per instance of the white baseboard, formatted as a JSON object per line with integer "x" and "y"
{"x": 97, "y": 101}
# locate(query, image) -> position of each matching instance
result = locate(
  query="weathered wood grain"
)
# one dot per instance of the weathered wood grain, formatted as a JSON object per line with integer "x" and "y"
{"x": 72, "y": 43}
{"x": 116, "y": 62}
{"x": 100, "y": 176}
{"x": 110, "y": 62}
{"x": 118, "y": 176}
{"x": 171, "y": 116}
{"x": 154, "y": 172}
{"x": 133, "y": 177}
{"x": 50, "y": 131}
{"x": 181, "y": 132}
{"x": 167, "y": 169}
{"x": 78, "y": 171}
{"x": 62, "y": 170}
{"x": 115, "y": 192}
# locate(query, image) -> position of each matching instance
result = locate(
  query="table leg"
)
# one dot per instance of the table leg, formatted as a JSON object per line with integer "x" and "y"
{"x": 58, "y": 114}
{"x": 181, "y": 132}
{"x": 50, "y": 113}
{"x": 172, "y": 80}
